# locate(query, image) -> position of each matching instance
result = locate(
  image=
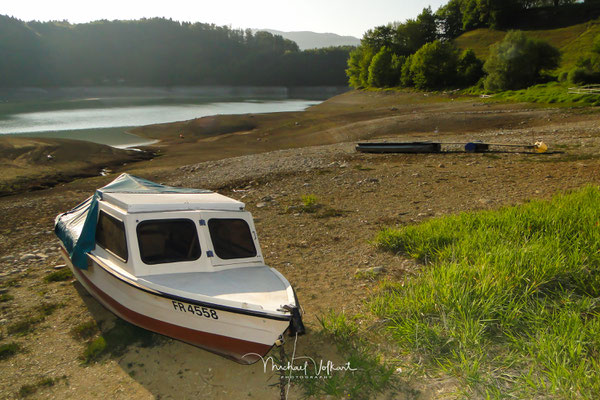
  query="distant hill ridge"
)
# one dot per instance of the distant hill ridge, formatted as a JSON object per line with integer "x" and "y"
{"x": 314, "y": 40}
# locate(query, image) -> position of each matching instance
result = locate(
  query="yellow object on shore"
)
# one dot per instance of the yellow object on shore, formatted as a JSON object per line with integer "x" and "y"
{"x": 540, "y": 147}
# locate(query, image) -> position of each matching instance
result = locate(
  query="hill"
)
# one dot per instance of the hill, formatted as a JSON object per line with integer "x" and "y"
{"x": 572, "y": 41}
{"x": 157, "y": 52}
{"x": 313, "y": 40}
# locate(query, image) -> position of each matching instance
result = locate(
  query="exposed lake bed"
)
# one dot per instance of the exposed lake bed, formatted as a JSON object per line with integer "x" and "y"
{"x": 269, "y": 163}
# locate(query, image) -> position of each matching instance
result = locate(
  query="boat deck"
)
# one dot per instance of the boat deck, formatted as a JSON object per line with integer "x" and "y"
{"x": 256, "y": 286}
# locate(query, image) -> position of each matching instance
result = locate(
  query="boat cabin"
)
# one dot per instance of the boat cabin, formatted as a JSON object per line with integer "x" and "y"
{"x": 148, "y": 234}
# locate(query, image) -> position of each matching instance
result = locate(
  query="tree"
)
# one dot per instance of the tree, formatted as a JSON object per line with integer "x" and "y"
{"x": 354, "y": 65}
{"x": 380, "y": 70}
{"x": 378, "y": 37}
{"x": 518, "y": 61}
{"x": 450, "y": 18}
{"x": 470, "y": 68}
{"x": 434, "y": 66}
{"x": 406, "y": 78}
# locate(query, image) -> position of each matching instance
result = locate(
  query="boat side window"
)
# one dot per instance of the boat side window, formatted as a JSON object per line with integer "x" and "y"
{"x": 110, "y": 235}
{"x": 231, "y": 238}
{"x": 168, "y": 240}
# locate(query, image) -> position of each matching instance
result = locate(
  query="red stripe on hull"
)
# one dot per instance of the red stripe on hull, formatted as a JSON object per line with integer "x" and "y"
{"x": 234, "y": 349}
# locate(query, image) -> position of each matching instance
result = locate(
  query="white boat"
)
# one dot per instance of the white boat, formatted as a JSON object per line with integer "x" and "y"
{"x": 184, "y": 263}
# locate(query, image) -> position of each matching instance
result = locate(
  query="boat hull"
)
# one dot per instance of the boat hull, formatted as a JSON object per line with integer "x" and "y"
{"x": 408, "y": 147}
{"x": 235, "y": 334}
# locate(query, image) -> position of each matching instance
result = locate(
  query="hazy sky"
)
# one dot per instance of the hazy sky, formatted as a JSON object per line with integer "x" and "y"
{"x": 350, "y": 17}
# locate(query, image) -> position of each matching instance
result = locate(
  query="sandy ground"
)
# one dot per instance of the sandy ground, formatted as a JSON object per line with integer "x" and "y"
{"x": 320, "y": 253}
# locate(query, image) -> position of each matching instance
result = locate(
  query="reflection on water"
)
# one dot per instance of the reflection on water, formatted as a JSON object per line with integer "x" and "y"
{"x": 73, "y": 114}
{"x": 94, "y": 118}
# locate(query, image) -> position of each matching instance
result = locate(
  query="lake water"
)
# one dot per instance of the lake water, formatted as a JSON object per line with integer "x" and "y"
{"x": 106, "y": 119}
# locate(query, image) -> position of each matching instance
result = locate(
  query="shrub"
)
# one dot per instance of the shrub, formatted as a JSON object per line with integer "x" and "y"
{"x": 578, "y": 76}
{"x": 518, "y": 61}
{"x": 64, "y": 274}
{"x": 470, "y": 68}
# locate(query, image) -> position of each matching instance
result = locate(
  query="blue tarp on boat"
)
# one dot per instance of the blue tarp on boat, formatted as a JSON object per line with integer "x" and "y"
{"x": 77, "y": 228}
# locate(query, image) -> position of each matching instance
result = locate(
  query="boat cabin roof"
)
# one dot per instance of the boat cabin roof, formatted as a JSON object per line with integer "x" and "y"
{"x": 156, "y": 202}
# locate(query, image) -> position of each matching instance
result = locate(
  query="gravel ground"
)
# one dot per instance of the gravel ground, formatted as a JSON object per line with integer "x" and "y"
{"x": 321, "y": 253}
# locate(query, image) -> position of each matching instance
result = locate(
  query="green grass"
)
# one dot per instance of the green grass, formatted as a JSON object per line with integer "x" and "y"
{"x": 553, "y": 93}
{"x": 573, "y": 41}
{"x": 24, "y": 326}
{"x": 61, "y": 275}
{"x": 29, "y": 389}
{"x": 507, "y": 301}
{"x": 85, "y": 331}
{"x": 371, "y": 375}
{"x": 8, "y": 350}
{"x": 4, "y": 297}
{"x": 115, "y": 341}
{"x": 28, "y": 322}
{"x": 309, "y": 203}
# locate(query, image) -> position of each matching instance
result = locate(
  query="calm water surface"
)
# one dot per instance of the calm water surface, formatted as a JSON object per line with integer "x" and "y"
{"x": 109, "y": 125}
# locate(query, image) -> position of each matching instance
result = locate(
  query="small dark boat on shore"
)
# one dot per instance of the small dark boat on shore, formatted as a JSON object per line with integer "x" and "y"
{"x": 399, "y": 147}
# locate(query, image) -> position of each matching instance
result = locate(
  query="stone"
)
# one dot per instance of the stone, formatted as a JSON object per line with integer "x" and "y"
{"x": 28, "y": 257}
{"x": 261, "y": 205}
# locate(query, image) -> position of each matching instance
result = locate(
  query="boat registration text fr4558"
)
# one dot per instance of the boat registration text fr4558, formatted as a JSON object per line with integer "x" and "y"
{"x": 196, "y": 310}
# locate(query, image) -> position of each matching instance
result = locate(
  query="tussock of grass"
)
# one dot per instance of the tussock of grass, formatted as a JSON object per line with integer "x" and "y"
{"x": 339, "y": 326}
{"x": 24, "y": 326}
{"x": 309, "y": 203}
{"x": 28, "y": 390}
{"x": 27, "y": 323}
{"x": 64, "y": 274}
{"x": 94, "y": 350}
{"x": 85, "y": 331}
{"x": 115, "y": 341}
{"x": 508, "y": 300}
{"x": 46, "y": 309}
{"x": 8, "y": 350}
{"x": 4, "y": 297}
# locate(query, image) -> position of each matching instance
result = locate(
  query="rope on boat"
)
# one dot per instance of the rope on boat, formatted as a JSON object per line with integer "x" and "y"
{"x": 290, "y": 378}
{"x": 284, "y": 389}
{"x": 282, "y": 392}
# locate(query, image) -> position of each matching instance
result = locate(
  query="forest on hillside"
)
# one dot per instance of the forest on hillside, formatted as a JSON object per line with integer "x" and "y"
{"x": 421, "y": 52}
{"x": 158, "y": 52}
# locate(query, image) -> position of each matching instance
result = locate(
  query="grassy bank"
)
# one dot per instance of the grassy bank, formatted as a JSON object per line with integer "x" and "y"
{"x": 507, "y": 300}
{"x": 572, "y": 41}
{"x": 553, "y": 93}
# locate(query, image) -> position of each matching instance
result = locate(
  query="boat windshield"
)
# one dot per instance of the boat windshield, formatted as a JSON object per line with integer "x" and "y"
{"x": 231, "y": 238}
{"x": 168, "y": 240}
